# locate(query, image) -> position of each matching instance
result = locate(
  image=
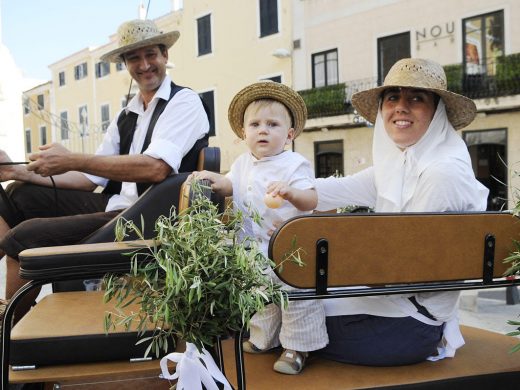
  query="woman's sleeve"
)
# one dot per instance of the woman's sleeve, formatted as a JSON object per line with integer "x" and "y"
{"x": 358, "y": 189}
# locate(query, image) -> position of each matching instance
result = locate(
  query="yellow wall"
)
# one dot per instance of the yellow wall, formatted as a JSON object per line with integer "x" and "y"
{"x": 239, "y": 57}
{"x": 37, "y": 116}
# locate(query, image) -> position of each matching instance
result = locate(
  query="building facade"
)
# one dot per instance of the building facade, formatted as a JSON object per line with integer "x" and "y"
{"x": 210, "y": 57}
{"x": 347, "y": 46}
{"x": 37, "y": 117}
{"x": 327, "y": 50}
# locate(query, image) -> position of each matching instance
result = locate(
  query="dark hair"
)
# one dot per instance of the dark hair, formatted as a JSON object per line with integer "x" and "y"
{"x": 162, "y": 49}
{"x": 436, "y": 97}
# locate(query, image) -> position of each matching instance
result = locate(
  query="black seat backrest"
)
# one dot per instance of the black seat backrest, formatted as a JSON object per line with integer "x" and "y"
{"x": 157, "y": 200}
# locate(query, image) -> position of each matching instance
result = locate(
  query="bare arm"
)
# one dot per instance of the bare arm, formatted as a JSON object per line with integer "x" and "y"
{"x": 54, "y": 159}
{"x": 219, "y": 183}
{"x": 304, "y": 200}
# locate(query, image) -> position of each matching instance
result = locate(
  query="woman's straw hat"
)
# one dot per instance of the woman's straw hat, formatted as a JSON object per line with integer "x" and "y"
{"x": 422, "y": 74}
{"x": 267, "y": 90}
{"x": 136, "y": 34}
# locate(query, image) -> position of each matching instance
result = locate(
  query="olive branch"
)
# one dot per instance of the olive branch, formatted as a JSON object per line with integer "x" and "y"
{"x": 200, "y": 280}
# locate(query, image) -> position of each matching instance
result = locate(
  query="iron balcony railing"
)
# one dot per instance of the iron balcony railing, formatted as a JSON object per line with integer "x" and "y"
{"x": 492, "y": 78}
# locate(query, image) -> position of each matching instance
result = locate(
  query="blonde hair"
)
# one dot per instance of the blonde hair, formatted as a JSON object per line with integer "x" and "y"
{"x": 256, "y": 105}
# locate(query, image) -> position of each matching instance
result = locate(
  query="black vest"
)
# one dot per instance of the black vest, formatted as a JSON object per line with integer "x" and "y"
{"x": 126, "y": 124}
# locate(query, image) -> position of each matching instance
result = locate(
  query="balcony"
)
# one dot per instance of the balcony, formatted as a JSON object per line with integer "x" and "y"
{"x": 496, "y": 77}
{"x": 493, "y": 78}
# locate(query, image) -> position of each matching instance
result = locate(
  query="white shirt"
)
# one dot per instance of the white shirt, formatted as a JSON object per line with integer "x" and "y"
{"x": 250, "y": 178}
{"x": 181, "y": 124}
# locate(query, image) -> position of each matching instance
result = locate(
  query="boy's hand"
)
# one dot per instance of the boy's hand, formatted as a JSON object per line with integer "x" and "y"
{"x": 219, "y": 183}
{"x": 280, "y": 188}
{"x": 304, "y": 200}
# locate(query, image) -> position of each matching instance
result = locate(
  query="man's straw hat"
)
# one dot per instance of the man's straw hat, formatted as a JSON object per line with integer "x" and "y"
{"x": 422, "y": 74}
{"x": 136, "y": 34}
{"x": 267, "y": 90}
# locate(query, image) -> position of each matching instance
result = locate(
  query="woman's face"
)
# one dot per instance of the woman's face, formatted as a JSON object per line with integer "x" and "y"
{"x": 407, "y": 113}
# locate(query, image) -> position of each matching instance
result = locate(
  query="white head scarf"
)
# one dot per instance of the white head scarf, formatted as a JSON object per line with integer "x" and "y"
{"x": 397, "y": 171}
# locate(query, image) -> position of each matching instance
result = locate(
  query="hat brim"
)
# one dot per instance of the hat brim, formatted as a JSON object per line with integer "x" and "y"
{"x": 267, "y": 90}
{"x": 460, "y": 110}
{"x": 167, "y": 39}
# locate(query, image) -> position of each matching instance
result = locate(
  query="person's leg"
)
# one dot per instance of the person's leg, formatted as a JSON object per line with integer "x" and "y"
{"x": 264, "y": 328}
{"x": 303, "y": 326}
{"x": 34, "y": 201}
{"x": 303, "y": 330}
{"x": 380, "y": 341}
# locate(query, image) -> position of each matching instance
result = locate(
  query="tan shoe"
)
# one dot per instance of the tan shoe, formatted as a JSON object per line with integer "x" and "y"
{"x": 249, "y": 347}
{"x": 290, "y": 362}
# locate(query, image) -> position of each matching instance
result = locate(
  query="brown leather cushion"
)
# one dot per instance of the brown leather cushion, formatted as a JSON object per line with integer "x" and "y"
{"x": 375, "y": 249}
{"x": 484, "y": 353}
{"x": 68, "y": 328}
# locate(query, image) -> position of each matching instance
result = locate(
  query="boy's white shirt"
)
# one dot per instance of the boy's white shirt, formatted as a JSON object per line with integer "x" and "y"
{"x": 251, "y": 176}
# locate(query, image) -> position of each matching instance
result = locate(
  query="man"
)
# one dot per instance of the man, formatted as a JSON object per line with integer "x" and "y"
{"x": 146, "y": 142}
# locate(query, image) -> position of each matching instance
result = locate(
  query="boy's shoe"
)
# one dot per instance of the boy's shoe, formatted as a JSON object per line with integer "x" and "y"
{"x": 249, "y": 347}
{"x": 290, "y": 362}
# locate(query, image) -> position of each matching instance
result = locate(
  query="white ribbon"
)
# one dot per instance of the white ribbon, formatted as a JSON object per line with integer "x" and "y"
{"x": 190, "y": 371}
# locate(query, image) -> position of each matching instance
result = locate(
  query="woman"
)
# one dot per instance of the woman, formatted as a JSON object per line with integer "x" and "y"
{"x": 420, "y": 165}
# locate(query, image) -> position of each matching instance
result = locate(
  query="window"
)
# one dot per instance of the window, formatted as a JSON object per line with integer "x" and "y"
{"x": 41, "y": 102}
{"x": 268, "y": 17}
{"x": 204, "y": 34}
{"x": 209, "y": 101}
{"x": 328, "y": 158}
{"x": 43, "y": 135}
{"x": 487, "y": 149}
{"x": 26, "y": 105}
{"x": 483, "y": 42}
{"x": 80, "y": 71}
{"x": 61, "y": 78}
{"x": 105, "y": 117}
{"x": 390, "y": 50}
{"x": 102, "y": 69}
{"x": 64, "y": 125}
{"x": 325, "y": 68}
{"x": 28, "y": 146}
{"x": 120, "y": 66}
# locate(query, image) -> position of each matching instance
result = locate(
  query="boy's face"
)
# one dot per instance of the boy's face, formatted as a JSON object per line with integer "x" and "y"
{"x": 267, "y": 128}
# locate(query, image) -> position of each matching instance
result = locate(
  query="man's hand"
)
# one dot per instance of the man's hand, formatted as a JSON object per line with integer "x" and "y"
{"x": 53, "y": 159}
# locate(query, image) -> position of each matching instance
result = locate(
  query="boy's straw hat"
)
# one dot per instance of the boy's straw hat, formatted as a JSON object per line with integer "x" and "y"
{"x": 422, "y": 74}
{"x": 136, "y": 34}
{"x": 267, "y": 90}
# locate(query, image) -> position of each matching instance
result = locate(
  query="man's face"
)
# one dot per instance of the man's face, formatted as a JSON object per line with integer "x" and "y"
{"x": 147, "y": 66}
